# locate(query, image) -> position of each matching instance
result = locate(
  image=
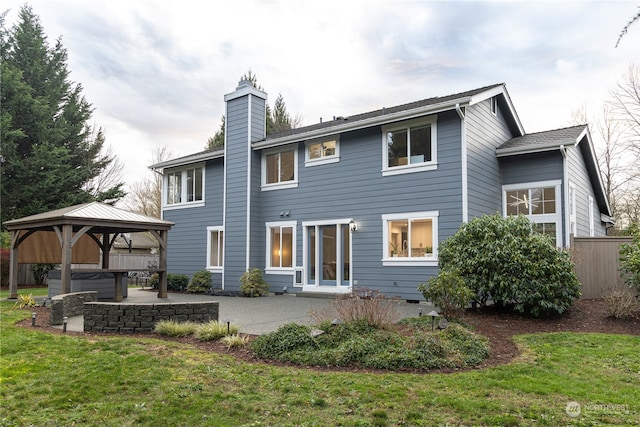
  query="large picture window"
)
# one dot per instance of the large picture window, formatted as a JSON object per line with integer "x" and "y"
{"x": 281, "y": 245}
{"x": 279, "y": 168}
{"x": 409, "y": 146}
{"x": 540, "y": 202}
{"x": 411, "y": 237}
{"x": 215, "y": 245}
{"x": 184, "y": 186}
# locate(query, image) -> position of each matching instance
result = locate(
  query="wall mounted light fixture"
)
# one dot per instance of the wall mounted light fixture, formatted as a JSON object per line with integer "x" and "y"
{"x": 353, "y": 226}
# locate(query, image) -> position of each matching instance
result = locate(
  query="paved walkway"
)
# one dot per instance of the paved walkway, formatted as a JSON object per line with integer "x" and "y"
{"x": 253, "y": 315}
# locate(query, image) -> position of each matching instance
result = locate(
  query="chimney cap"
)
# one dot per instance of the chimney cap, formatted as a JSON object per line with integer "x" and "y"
{"x": 244, "y": 83}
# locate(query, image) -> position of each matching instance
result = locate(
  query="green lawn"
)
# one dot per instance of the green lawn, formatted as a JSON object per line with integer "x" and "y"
{"x": 53, "y": 380}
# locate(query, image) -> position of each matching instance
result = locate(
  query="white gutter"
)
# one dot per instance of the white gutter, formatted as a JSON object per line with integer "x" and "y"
{"x": 464, "y": 161}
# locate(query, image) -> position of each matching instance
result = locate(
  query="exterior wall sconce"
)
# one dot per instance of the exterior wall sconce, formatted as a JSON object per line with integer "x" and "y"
{"x": 353, "y": 226}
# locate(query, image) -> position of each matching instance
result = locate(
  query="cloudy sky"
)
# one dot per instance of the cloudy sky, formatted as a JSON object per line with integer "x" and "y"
{"x": 156, "y": 71}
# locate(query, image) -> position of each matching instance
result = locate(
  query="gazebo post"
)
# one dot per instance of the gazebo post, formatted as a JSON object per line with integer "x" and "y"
{"x": 162, "y": 267}
{"x": 65, "y": 266}
{"x": 13, "y": 265}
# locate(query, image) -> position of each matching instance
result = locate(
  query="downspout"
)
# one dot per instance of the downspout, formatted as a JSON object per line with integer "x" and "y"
{"x": 464, "y": 176}
{"x": 224, "y": 196}
{"x": 565, "y": 194}
{"x": 249, "y": 171}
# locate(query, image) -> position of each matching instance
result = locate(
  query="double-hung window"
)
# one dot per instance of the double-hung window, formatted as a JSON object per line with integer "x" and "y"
{"x": 215, "y": 248}
{"x": 281, "y": 246}
{"x": 410, "y": 238}
{"x": 322, "y": 151}
{"x": 409, "y": 146}
{"x": 184, "y": 186}
{"x": 538, "y": 201}
{"x": 280, "y": 168}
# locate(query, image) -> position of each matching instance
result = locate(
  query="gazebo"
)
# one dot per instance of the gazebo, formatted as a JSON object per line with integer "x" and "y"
{"x": 90, "y": 228}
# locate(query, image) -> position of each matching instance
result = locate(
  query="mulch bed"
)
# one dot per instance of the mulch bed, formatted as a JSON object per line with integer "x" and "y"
{"x": 498, "y": 327}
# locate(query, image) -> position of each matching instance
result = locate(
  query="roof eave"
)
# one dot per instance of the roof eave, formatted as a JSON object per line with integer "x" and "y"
{"x": 506, "y": 152}
{"x": 364, "y": 123}
{"x": 182, "y": 161}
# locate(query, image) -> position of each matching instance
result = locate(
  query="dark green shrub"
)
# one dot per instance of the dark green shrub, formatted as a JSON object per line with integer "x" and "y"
{"x": 448, "y": 292}
{"x": 252, "y": 284}
{"x": 40, "y": 272}
{"x": 504, "y": 260}
{"x": 630, "y": 259}
{"x": 154, "y": 280}
{"x": 275, "y": 345}
{"x": 177, "y": 282}
{"x": 200, "y": 282}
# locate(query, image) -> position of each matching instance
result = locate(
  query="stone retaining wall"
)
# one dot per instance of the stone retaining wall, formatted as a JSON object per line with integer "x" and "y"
{"x": 141, "y": 318}
{"x": 67, "y": 305}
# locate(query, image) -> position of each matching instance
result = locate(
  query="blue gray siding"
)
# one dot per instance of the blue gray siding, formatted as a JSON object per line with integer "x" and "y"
{"x": 485, "y": 132}
{"x": 187, "y": 251}
{"x": 579, "y": 178}
{"x": 355, "y": 188}
{"x": 531, "y": 168}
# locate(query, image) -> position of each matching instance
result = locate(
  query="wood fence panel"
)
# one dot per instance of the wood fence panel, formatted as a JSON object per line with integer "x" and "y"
{"x": 597, "y": 262}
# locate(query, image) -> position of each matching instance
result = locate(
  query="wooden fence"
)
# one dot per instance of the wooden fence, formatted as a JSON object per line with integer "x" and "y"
{"x": 598, "y": 263}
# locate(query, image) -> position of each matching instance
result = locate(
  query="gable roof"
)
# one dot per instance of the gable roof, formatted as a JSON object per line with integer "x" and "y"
{"x": 558, "y": 139}
{"x": 399, "y": 112}
{"x": 99, "y": 215}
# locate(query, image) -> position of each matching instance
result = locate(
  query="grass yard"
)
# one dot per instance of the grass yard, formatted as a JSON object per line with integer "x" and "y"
{"x": 53, "y": 379}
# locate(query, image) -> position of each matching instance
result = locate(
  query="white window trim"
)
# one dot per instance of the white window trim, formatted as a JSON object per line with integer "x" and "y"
{"x": 294, "y": 255}
{"x": 405, "y": 261}
{"x": 417, "y": 167}
{"x": 573, "y": 223}
{"x": 323, "y": 160}
{"x": 279, "y": 185}
{"x": 592, "y": 218}
{"x": 540, "y": 218}
{"x": 183, "y": 205}
{"x": 305, "y": 250}
{"x": 217, "y": 268}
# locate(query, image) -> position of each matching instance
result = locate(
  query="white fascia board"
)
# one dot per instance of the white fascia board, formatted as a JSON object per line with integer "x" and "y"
{"x": 503, "y": 152}
{"x": 361, "y": 124}
{"x": 499, "y": 90}
{"x": 183, "y": 161}
{"x": 585, "y": 134}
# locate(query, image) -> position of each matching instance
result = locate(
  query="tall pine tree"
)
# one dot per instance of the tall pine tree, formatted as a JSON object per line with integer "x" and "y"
{"x": 50, "y": 155}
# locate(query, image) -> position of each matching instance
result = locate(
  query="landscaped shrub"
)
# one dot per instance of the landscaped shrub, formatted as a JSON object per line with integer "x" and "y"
{"x": 621, "y": 303}
{"x": 175, "y": 329}
{"x": 357, "y": 344}
{"x": 235, "y": 340}
{"x": 154, "y": 281}
{"x": 214, "y": 330}
{"x": 448, "y": 292}
{"x": 25, "y": 301}
{"x": 252, "y": 284}
{"x": 40, "y": 272}
{"x": 200, "y": 282}
{"x": 361, "y": 304}
{"x": 177, "y": 282}
{"x": 504, "y": 260}
{"x": 630, "y": 259}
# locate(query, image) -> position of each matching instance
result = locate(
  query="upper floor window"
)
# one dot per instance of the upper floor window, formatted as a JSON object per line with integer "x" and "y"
{"x": 322, "y": 151}
{"x": 494, "y": 105}
{"x": 184, "y": 186}
{"x": 280, "y": 168}
{"x": 409, "y": 146}
{"x": 410, "y": 237}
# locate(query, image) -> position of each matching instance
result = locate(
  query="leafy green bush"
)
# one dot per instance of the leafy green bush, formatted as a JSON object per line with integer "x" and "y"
{"x": 214, "y": 330}
{"x": 357, "y": 344}
{"x": 40, "y": 272}
{"x": 200, "y": 282}
{"x": 252, "y": 284}
{"x": 173, "y": 328}
{"x": 154, "y": 281}
{"x": 177, "y": 282}
{"x": 630, "y": 259}
{"x": 448, "y": 292}
{"x": 504, "y": 260}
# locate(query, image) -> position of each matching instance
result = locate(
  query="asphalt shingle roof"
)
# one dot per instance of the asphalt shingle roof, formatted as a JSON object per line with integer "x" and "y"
{"x": 542, "y": 140}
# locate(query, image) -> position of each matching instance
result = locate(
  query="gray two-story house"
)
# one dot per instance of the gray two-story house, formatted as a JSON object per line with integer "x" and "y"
{"x": 365, "y": 200}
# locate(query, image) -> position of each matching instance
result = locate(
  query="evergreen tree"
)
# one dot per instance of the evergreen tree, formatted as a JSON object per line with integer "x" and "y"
{"x": 278, "y": 119}
{"x": 50, "y": 155}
